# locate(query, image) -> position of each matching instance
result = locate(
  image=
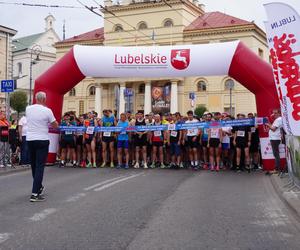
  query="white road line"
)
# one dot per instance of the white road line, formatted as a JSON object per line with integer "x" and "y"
{"x": 76, "y": 197}
{"x": 43, "y": 215}
{"x": 116, "y": 182}
{"x": 103, "y": 182}
{"x": 5, "y": 237}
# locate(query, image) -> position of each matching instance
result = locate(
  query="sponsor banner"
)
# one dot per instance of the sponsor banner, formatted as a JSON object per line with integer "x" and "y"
{"x": 293, "y": 145}
{"x": 283, "y": 36}
{"x": 155, "y": 61}
{"x": 266, "y": 149}
{"x": 161, "y": 99}
{"x": 183, "y": 126}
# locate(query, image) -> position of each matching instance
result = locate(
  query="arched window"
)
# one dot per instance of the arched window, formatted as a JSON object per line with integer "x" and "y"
{"x": 201, "y": 86}
{"x": 142, "y": 26}
{"x": 142, "y": 89}
{"x": 168, "y": 23}
{"x": 118, "y": 28}
{"x": 229, "y": 84}
{"x": 92, "y": 91}
{"x": 72, "y": 92}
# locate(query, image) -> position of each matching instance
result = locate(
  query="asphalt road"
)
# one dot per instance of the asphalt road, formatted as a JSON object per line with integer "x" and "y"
{"x": 139, "y": 209}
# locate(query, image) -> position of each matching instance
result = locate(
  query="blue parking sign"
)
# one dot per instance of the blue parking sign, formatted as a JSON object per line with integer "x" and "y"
{"x": 7, "y": 86}
{"x": 192, "y": 96}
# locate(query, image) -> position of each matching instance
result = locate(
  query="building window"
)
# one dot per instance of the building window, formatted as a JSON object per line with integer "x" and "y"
{"x": 261, "y": 53}
{"x": 229, "y": 84}
{"x": 201, "y": 86}
{"x": 20, "y": 69}
{"x": 168, "y": 23}
{"x": 118, "y": 28}
{"x": 81, "y": 107}
{"x": 92, "y": 91}
{"x": 227, "y": 110}
{"x": 142, "y": 89}
{"x": 72, "y": 92}
{"x": 142, "y": 26}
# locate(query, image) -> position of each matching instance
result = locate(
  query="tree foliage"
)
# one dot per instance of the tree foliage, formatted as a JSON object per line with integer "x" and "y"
{"x": 199, "y": 110}
{"x": 18, "y": 101}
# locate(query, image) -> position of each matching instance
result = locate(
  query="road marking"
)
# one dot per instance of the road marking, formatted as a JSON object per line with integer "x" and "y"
{"x": 4, "y": 237}
{"x": 103, "y": 182}
{"x": 43, "y": 215}
{"x": 116, "y": 182}
{"x": 76, "y": 197}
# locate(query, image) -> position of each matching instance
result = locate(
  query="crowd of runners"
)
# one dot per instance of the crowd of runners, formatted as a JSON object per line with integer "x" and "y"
{"x": 213, "y": 148}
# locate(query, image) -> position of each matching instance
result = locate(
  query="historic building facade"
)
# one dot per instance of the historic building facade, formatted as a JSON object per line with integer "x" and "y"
{"x": 175, "y": 22}
{"x": 34, "y": 54}
{"x": 6, "y": 35}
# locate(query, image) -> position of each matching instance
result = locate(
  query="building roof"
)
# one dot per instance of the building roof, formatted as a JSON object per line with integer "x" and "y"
{"x": 8, "y": 30}
{"x": 25, "y": 42}
{"x": 213, "y": 20}
{"x": 97, "y": 34}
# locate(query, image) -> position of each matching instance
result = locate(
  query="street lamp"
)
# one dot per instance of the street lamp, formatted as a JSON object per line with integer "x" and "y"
{"x": 229, "y": 85}
{"x": 35, "y": 50}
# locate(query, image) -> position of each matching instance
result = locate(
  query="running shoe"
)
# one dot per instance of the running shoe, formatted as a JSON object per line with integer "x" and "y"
{"x": 94, "y": 165}
{"x": 35, "y": 198}
{"x": 217, "y": 168}
{"x": 103, "y": 165}
{"x": 152, "y": 165}
{"x": 136, "y": 165}
{"x": 145, "y": 165}
{"x": 162, "y": 165}
{"x": 41, "y": 191}
{"x": 212, "y": 168}
{"x": 112, "y": 165}
{"x": 126, "y": 166}
{"x": 89, "y": 165}
{"x": 74, "y": 164}
{"x": 119, "y": 166}
{"x": 181, "y": 165}
{"x": 62, "y": 164}
{"x": 205, "y": 166}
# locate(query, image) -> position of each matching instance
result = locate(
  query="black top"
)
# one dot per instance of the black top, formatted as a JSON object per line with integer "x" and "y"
{"x": 242, "y": 133}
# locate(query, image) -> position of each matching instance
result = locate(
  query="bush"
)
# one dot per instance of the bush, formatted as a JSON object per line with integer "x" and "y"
{"x": 199, "y": 110}
{"x": 18, "y": 101}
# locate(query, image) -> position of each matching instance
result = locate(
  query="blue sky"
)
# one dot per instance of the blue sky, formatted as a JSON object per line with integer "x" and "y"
{"x": 30, "y": 20}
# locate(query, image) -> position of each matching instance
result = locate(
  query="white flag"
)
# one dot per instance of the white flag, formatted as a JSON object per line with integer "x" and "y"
{"x": 283, "y": 36}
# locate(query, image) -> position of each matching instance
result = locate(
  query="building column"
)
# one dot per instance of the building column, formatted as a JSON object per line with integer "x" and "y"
{"x": 98, "y": 99}
{"x": 122, "y": 98}
{"x": 147, "y": 98}
{"x": 174, "y": 96}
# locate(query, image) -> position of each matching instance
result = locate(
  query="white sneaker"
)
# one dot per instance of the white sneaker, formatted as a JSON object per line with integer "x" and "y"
{"x": 136, "y": 165}
{"x": 145, "y": 165}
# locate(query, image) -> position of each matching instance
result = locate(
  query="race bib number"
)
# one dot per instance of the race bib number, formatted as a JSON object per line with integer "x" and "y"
{"x": 253, "y": 130}
{"x": 157, "y": 133}
{"x": 171, "y": 126}
{"x": 174, "y": 133}
{"x": 241, "y": 133}
{"x": 90, "y": 130}
{"x": 107, "y": 134}
{"x": 214, "y": 133}
{"x": 192, "y": 132}
{"x": 68, "y": 132}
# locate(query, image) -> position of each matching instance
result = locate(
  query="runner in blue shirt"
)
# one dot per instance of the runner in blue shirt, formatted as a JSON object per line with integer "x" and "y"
{"x": 123, "y": 142}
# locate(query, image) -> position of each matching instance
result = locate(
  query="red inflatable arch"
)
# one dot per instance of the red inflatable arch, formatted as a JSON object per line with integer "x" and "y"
{"x": 233, "y": 59}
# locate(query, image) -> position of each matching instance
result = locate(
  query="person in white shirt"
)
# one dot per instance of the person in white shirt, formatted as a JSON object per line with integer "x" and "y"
{"x": 275, "y": 138}
{"x": 39, "y": 117}
{"x": 25, "y": 159}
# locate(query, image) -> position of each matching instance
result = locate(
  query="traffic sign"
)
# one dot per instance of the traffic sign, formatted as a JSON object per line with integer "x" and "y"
{"x": 128, "y": 92}
{"x": 192, "y": 96}
{"x": 8, "y": 86}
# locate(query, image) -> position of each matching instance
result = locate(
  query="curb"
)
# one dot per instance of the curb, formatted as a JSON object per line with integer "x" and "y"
{"x": 293, "y": 203}
{"x": 10, "y": 170}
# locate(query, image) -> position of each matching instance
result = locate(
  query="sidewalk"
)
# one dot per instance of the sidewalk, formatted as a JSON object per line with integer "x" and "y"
{"x": 14, "y": 169}
{"x": 288, "y": 193}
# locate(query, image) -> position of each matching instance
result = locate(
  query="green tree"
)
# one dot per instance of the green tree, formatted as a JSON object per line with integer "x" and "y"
{"x": 199, "y": 110}
{"x": 18, "y": 101}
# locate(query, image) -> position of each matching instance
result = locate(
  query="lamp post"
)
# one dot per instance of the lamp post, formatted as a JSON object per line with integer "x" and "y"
{"x": 230, "y": 86}
{"x": 35, "y": 50}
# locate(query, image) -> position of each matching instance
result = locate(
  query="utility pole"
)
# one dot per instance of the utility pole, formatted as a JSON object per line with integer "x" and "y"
{"x": 64, "y": 30}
